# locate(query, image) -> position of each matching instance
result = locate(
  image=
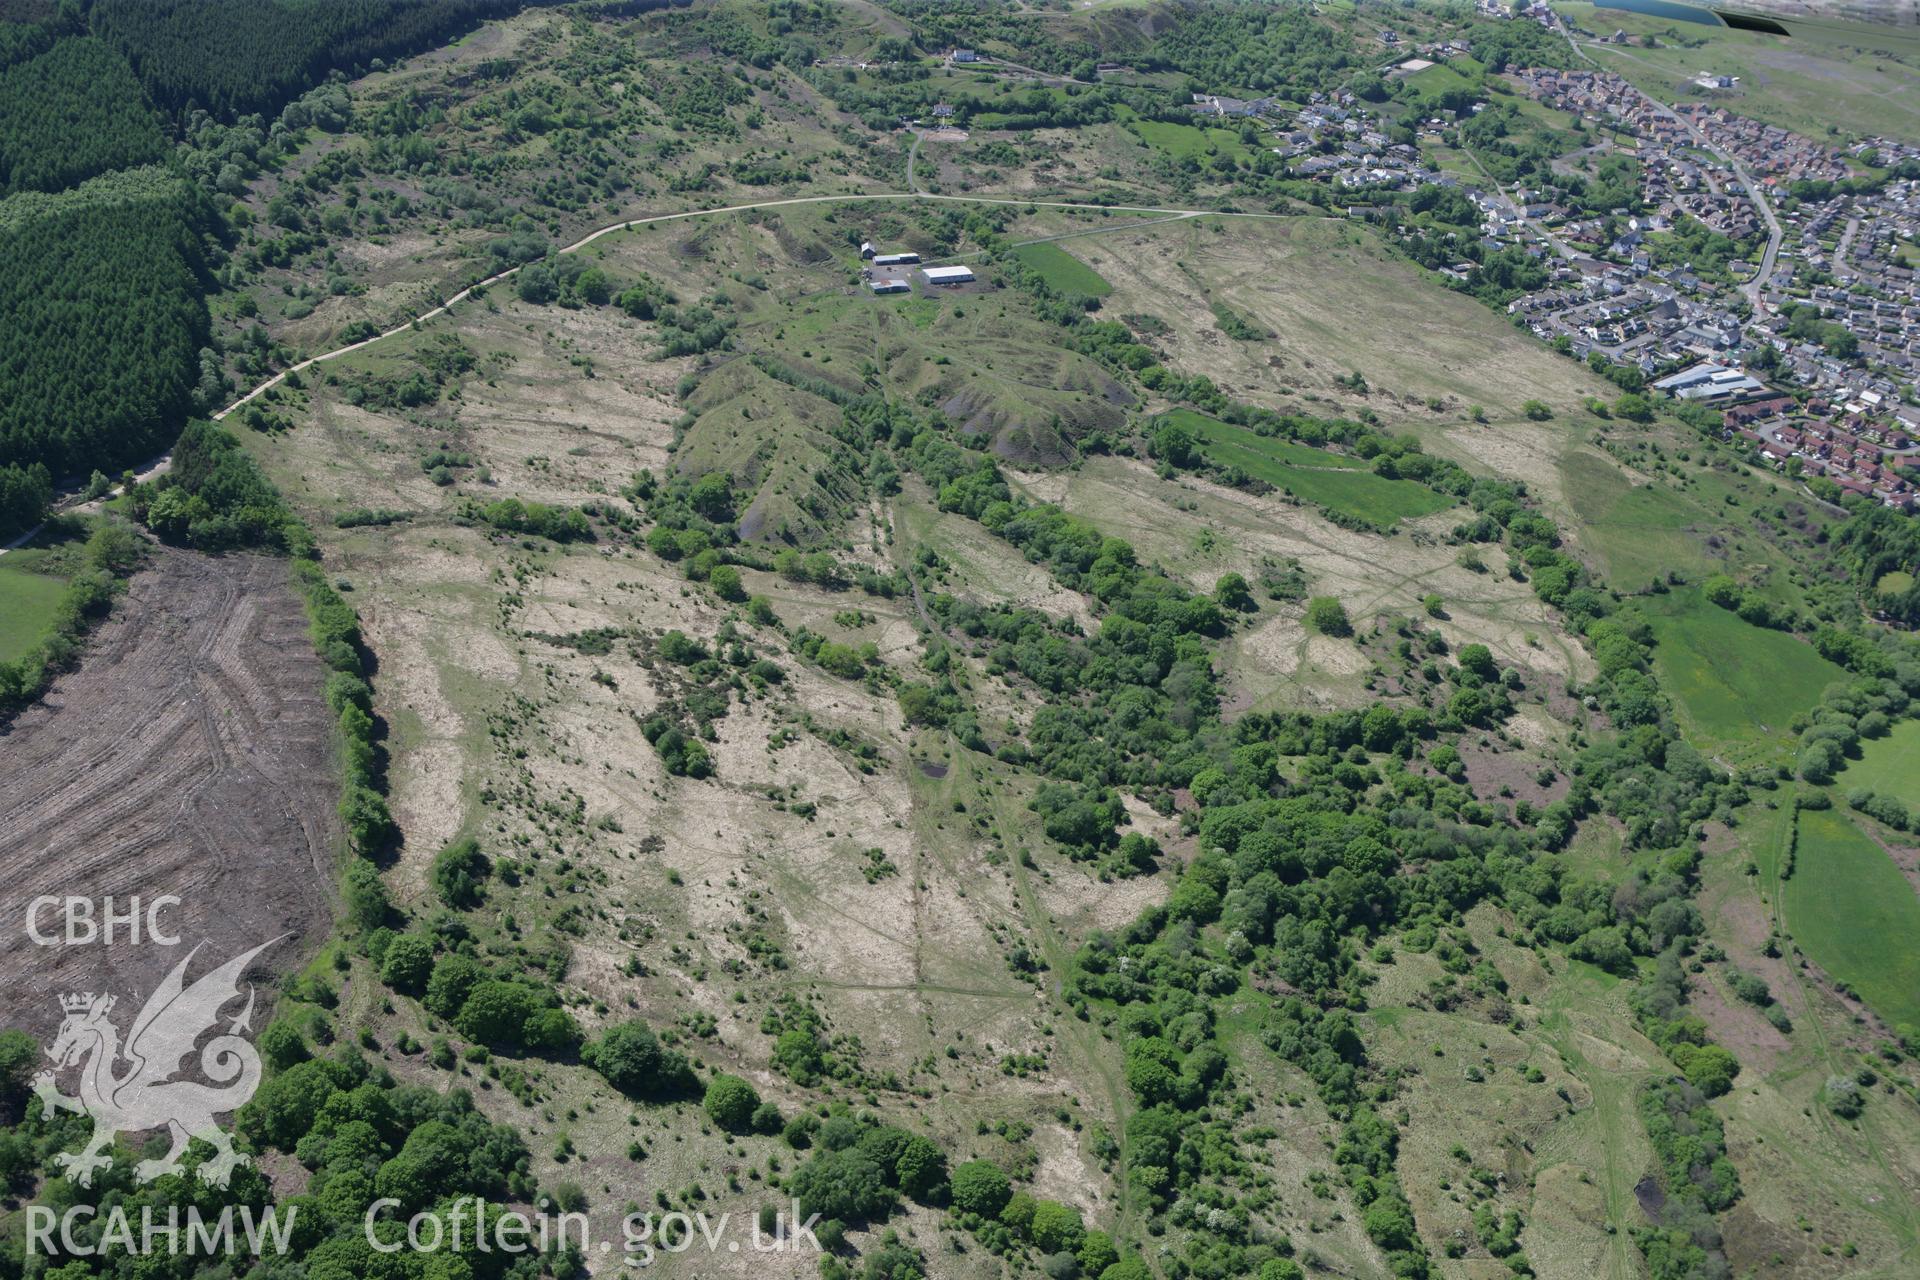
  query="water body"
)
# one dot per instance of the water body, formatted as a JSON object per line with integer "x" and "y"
{"x": 1665, "y": 9}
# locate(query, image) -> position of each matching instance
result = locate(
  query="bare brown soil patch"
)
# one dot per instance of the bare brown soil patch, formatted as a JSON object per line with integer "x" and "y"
{"x": 1739, "y": 1027}
{"x": 1907, "y": 858}
{"x": 189, "y": 754}
{"x": 1494, "y": 767}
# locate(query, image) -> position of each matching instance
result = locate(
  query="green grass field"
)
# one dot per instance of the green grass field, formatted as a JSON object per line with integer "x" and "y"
{"x": 1733, "y": 682}
{"x": 1890, "y": 765}
{"x": 1314, "y": 475}
{"x": 1183, "y": 140}
{"x": 1855, "y": 915}
{"x": 1440, "y": 79}
{"x": 26, "y": 608}
{"x": 1062, "y": 271}
{"x": 1598, "y": 852}
{"x": 1639, "y": 531}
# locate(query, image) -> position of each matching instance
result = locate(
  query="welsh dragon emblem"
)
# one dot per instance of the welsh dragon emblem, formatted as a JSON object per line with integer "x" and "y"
{"x": 145, "y": 1094}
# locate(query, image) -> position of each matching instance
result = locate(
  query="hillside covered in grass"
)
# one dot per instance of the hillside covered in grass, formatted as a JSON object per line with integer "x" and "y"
{"x": 1201, "y": 750}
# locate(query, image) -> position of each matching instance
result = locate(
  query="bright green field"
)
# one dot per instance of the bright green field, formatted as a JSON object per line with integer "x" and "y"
{"x": 1212, "y": 430}
{"x": 1855, "y": 915}
{"x": 1183, "y": 140}
{"x": 1440, "y": 79}
{"x": 26, "y": 608}
{"x": 1731, "y": 680}
{"x": 1062, "y": 271}
{"x": 1890, "y": 765}
{"x": 1313, "y": 475}
{"x": 1640, "y": 531}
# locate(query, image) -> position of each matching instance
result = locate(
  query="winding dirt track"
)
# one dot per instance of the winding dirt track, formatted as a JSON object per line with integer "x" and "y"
{"x": 188, "y": 754}
{"x": 158, "y": 466}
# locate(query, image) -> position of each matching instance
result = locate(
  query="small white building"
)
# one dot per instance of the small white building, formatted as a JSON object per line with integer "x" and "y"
{"x": 947, "y": 275}
{"x": 1709, "y": 382}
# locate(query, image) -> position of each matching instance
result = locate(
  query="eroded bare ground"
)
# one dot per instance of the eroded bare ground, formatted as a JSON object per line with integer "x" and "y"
{"x": 189, "y": 754}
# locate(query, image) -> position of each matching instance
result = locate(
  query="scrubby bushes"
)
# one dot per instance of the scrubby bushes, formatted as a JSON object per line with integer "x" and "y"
{"x": 731, "y": 1102}
{"x": 362, "y": 1136}
{"x": 634, "y": 1061}
{"x": 680, "y": 754}
{"x": 1843, "y": 1096}
{"x": 1832, "y": 732}
{"x": 1748, "y": 603}
{"x": 214, "y": 497}
{"x": 407, "y": 963}
{"x": 1707, "y": 1067}
{"x": 335, "y": 631}
{"x": 1354, "y": 843}
{"x": 1328, "y": 616}
{"x": 458, "y": 873}
{"x": 515, "y": 1015}
{"x": 1698, "y": 1178}
{"x": 1885, "y": 810}
{"x": 921, "y": 1168}
{"x": 512, "y": 515}
{"x": 981, "y": 1187}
